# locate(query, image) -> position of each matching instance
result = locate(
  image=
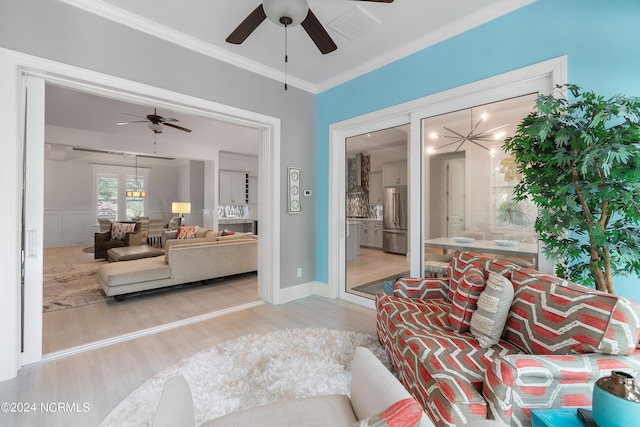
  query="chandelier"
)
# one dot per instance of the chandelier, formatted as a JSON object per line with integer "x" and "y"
{"x": 136, "y": 190}
{"x": 474, "y": 136}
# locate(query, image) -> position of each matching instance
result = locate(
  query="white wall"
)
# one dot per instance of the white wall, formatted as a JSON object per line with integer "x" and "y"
{"x": 380, "y": 158}
{"x": 68, "y": 197}
{"x": 240, "y": 163}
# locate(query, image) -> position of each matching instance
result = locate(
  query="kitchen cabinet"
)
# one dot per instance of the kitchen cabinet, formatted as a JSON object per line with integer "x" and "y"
{"x": 375, "y": 187}
{"x": 394, "y": 174}
{"x": 353, "y": 240}
{"x": 252, "y": 196}
{"x": 371, "y": 233}
{"x": 233, "y": 188}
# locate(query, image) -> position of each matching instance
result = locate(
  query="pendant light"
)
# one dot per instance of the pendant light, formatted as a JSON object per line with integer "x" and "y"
{"x": 136, "y": 190}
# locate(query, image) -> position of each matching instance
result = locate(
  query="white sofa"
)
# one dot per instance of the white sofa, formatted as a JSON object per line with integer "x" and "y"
{"x": 373, "y": 389}
{"x": 183, "y": 262}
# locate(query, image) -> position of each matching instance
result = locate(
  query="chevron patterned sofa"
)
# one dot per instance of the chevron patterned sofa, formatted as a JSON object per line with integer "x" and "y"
{"x": 559, "y": 338}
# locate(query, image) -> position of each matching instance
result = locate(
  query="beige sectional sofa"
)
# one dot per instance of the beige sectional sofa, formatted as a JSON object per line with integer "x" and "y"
{"x": 185, "y": 261}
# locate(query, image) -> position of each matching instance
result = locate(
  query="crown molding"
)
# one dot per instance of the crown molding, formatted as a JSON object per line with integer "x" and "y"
{"x": 456, "y": 28}
{"x": 137, "y": 22}
{"x": 121, "y": 16}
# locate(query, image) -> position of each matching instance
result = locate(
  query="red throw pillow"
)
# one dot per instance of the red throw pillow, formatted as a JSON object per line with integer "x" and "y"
{"x": 187, "y": 232}
{"x": 119, "y": 230}
{"x": 227, "y": 233}
{"x": 404, "y": 413}
{"x": 465, "y": 299}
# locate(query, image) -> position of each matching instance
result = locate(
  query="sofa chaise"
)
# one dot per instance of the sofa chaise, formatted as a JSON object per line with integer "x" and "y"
{"x": 184, "y": 261}
{"x": 554, "y": 341}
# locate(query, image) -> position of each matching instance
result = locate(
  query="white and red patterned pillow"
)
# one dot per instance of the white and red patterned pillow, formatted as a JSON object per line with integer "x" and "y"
{"x": 120, "y": 229}
{"x": 187, "y": 232}
{"x": 465, "y": 299}
{"x": 404, "y": 413}
{"x": 494, "y": 304}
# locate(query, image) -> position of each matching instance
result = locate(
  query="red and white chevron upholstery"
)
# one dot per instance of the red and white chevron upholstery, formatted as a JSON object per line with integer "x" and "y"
{"x": 516, "y": 384}
{"x": 559, "y": 339}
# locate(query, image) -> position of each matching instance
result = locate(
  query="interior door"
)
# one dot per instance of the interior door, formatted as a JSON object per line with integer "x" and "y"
{"x": 455, "y": 216}
{"x": 33, "y": 218}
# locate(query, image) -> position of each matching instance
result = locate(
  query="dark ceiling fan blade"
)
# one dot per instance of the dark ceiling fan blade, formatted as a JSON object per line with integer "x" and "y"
{"x": 379, "y": 1}
{"x": 318, "y": 34}
{"x": 177, "y": 127}
{"x": 247, "y": 26}
{"x": 128, "y": 123}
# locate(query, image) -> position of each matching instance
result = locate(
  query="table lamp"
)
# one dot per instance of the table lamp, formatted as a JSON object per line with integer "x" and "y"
{"x": 180, "y": 208}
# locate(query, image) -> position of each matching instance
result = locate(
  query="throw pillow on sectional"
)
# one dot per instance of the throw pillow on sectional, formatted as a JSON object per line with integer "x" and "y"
{"x": 187, "y": 232}
{"x": 494, "y": 304}
{"x": 465, "y": 299}
{"x": 405, "y": 413}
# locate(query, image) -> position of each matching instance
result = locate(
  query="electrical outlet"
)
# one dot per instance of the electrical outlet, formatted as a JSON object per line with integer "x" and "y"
{"x": 299, "y": 272}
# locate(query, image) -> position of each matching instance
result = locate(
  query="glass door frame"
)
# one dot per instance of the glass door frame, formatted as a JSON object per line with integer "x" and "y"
{"x": 541, "y": 78}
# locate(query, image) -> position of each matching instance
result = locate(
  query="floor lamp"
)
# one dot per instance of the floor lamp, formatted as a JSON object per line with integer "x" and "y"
{"x": 180, "y": 208}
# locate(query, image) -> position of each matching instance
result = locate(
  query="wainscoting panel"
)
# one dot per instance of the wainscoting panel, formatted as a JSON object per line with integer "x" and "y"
{"x": 69, "y": 227}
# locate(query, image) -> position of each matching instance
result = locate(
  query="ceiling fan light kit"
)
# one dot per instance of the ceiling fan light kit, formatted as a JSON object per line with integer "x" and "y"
{"x": 473, "y": 136}
{"x": 286, "y": 12}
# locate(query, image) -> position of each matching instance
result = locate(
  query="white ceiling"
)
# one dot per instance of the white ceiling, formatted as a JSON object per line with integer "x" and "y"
{"x": 406, "y": 26}
{"x": 76, "y": 118}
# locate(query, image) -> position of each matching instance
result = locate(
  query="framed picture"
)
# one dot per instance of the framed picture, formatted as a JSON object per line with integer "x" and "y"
{"x": 294, "y": 190}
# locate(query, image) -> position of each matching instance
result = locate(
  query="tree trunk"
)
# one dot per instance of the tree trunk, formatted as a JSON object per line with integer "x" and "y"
{"x": 596, "y": 272}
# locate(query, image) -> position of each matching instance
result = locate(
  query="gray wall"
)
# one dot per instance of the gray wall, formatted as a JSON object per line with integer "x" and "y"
{"x": 62, "y": 33}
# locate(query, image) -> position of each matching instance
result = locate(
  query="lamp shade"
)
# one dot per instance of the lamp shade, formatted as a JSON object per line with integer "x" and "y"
{"x": 180, "y": 207}
{"x": 296, "y": 10}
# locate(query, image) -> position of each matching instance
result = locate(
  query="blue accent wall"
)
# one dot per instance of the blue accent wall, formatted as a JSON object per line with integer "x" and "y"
{"x": 600, "y": 39}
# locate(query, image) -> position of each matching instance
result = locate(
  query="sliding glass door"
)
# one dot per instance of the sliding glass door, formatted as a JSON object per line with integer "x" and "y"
{"x": 470, "y": 179}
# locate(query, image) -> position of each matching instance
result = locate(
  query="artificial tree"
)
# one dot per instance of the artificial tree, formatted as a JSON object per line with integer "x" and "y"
{"x": 578, "y": 159}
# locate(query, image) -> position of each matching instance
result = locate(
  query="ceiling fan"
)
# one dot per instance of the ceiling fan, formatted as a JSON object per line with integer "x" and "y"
{"x": 155, "y": 122}
{"x": 287, "y": 13}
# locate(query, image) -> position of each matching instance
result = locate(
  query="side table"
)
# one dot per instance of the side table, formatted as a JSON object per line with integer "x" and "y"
{"x": 556, "y": 417}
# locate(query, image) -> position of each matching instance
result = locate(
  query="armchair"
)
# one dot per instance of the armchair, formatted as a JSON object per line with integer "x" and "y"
{"x": 102, "y": 242}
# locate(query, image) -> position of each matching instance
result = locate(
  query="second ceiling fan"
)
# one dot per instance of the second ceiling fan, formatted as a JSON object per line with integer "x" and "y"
{"x": 288, "y": 13}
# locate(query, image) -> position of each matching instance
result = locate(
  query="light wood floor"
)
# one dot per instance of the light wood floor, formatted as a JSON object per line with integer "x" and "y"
{"x": 373, "y": 264}
{"x": 69, "y": 328}
{"x": 103, "y": 377}
{"x": 64, "y": 329}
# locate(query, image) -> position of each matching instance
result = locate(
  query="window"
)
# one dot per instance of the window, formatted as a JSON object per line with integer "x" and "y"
{"x": 135, "y": 205}
{"x": 108, "y": 196}
{"x": 111, "y": 184}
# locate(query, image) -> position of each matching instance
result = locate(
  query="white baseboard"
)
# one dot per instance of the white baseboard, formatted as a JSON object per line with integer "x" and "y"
{"x": 303, "y": 290}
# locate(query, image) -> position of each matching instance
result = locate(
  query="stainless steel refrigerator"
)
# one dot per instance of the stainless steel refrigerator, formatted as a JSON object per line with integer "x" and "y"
{"x": 394, "y": 220}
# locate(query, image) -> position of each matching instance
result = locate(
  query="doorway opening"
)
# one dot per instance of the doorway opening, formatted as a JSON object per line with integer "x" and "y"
{"x": 376, "y": 214}
{"x": 447, "y": 181}
{"x": 268, "y": 134}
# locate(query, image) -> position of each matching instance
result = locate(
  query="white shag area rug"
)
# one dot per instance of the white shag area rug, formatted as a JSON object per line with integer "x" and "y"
{"x": 254, "y": 370}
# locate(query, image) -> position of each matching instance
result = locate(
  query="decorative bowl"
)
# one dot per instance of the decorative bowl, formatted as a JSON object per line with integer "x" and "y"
{"x": 505, "y": 242}
{"x": 464, "y": 239}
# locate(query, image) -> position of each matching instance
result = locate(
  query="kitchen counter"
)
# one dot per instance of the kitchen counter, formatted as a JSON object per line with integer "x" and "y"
{"x": 243, "y": 225}
{"x": 235, "y": 220}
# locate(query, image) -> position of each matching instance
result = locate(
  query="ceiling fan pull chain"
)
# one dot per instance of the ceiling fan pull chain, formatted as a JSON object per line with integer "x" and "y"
{"x": 286, "y": 56}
